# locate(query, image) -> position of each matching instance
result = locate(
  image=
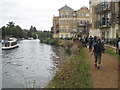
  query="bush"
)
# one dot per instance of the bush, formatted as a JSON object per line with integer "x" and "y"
{"x": 50, "y": 41}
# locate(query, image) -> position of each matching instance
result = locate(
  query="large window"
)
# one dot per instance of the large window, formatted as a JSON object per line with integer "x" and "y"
{"x": 105, "y": 19}
{"x": 67, "y": 15}
{"x": 80, "y": 14}
{"x": 67, "y": 21}
{"x": 62, "y": 28}
{"x": 87, "y": 14}
{"x": 66, "y": 28}
{"x": 66, "y": 35}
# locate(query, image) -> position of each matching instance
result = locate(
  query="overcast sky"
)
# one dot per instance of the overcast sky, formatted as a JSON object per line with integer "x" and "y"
{"x": 38, "y": 13}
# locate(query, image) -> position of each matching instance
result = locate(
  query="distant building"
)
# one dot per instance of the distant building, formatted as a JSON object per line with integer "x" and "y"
{"x": 71, "y": 23}
{"x": 105, "y": 18}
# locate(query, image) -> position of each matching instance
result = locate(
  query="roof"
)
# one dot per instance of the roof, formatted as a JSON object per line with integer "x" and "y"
{"x": 84, "y": 7}
{"x": 65, "y": 8}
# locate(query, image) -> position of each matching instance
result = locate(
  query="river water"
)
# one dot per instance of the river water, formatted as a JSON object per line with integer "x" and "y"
{"x": 29, "y": 66}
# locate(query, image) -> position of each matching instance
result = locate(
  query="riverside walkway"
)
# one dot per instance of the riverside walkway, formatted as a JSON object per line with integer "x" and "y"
{"x": 107, "y": 75}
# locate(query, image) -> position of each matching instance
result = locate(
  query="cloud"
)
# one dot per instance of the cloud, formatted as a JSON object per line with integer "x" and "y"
{"x": 34, "y": 12}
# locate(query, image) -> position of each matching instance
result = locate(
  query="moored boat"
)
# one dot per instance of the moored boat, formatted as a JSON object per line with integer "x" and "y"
{"x": 9, "y": 44}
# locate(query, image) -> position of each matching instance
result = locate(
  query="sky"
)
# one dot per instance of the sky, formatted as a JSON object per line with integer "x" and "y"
{"x": 38, "y": 13}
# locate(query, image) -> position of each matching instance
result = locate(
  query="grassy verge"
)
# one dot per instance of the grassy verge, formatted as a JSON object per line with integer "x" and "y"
{"x": 74, "y": 73}
{"x": 111, "y": 52}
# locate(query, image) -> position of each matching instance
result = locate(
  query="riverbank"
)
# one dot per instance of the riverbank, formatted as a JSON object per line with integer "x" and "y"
{"x": 72, "y": 73}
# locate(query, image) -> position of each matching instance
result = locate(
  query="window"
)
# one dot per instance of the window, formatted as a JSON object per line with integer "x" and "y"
{"x": 87, "y": 14}
{"x": 67, "y": 21}
{"x": 87, "y": 22}
{"x": 67, "y": 15}
{"x": 61, "y": 35}
{"x": 80, "y": 14}
{"x": 74, "y": 21}
{"x": 80, "y": 21}
{"x": 62, "y": 28}
{"x": 61, "y": 21}
{"x": 61, "y": 15}
{"x": 66, "y": 35}
{"x": 74, "y": 14}
{"x": 66, "y": 28}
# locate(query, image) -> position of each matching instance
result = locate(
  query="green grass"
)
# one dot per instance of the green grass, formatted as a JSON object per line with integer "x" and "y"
{"x": 74, "y": 73}
{"x": 111, "y": 52}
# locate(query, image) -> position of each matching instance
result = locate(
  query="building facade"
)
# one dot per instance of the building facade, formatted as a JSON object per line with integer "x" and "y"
{"x": 71, "y": 23}
{"x": 105, "y": 19}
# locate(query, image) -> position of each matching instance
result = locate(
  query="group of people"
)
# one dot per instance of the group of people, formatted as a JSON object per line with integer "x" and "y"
{"x": 96, "y": 47}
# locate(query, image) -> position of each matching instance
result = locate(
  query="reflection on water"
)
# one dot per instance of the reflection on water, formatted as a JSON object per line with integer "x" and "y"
{"x": 27, "y": 65}
{"x": 31, "y": 65}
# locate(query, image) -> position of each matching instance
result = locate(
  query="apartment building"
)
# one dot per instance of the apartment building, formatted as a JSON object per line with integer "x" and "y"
{"x": 105, "y": 19}
{"x": 71, "y": 23}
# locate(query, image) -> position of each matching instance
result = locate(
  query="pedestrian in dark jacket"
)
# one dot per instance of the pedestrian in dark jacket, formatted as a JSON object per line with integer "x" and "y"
{"x": 90, "y": 43}
{"x": 97, "y": 49}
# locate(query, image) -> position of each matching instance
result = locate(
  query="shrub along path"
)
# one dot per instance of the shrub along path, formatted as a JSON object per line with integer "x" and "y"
{"x": 107, "y": 75}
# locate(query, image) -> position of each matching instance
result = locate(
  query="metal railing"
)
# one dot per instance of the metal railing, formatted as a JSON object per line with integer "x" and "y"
{"x": 111, "y": 42}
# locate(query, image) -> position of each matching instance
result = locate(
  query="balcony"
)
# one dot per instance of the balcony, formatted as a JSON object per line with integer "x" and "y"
{"x": 102, "y": 24}
{"x": 105, "y": 24}
{"x": 102, "y": 7}
{"x": 82, "y": 24}
{"x": 118, "y": 19}
{"x": 106, "y": 6}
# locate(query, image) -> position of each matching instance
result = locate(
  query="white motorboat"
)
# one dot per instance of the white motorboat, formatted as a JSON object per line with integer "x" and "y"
{"x": 9, "y": 44}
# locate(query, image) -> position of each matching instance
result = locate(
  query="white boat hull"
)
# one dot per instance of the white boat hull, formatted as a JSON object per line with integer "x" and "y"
{"x": 11, "y": 47}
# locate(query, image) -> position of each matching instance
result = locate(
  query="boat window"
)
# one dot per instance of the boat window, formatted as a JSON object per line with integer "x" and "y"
{"x": 7, "y": 45}
{"x": 13, "y": 43}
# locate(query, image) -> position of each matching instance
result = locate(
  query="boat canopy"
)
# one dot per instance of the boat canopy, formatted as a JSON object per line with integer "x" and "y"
{"x": 5, "y": 41}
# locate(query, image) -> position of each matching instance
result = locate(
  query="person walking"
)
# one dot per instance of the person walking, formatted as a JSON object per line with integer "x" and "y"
{"x": 97, "y": 49}
{"x": 118, "y": 46}
{"x": 90, "y": 43}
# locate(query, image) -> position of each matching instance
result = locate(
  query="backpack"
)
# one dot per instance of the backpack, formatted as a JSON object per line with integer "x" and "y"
{"x": 98, "y": 48}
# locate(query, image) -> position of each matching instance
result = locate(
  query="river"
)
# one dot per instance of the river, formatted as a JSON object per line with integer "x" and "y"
{"x": 31, "y": 65}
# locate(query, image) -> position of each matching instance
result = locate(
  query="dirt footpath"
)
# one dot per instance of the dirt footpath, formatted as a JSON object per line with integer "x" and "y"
{"x": 107, "y": 75}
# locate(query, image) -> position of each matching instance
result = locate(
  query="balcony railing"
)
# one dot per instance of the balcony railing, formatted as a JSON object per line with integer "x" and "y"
{"x": 84, "y": 24}
{"x": 102, "y": 7}
{"x": 102, "y": 24}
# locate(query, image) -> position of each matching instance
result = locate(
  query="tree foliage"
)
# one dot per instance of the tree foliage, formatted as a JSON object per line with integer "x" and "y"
{"x": 12, "y": 30}
{"x": 44, "y": 35}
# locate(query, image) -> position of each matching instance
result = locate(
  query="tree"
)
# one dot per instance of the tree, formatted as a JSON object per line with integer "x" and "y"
{"x": 19, "y": 31}
{"x": 10, "y": 24}
{"x": 33, "y": 29}
{"x": 3, "y": 31}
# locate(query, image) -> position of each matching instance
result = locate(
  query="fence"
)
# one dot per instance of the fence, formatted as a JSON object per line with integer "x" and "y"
{"x": 112, "y": 42}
